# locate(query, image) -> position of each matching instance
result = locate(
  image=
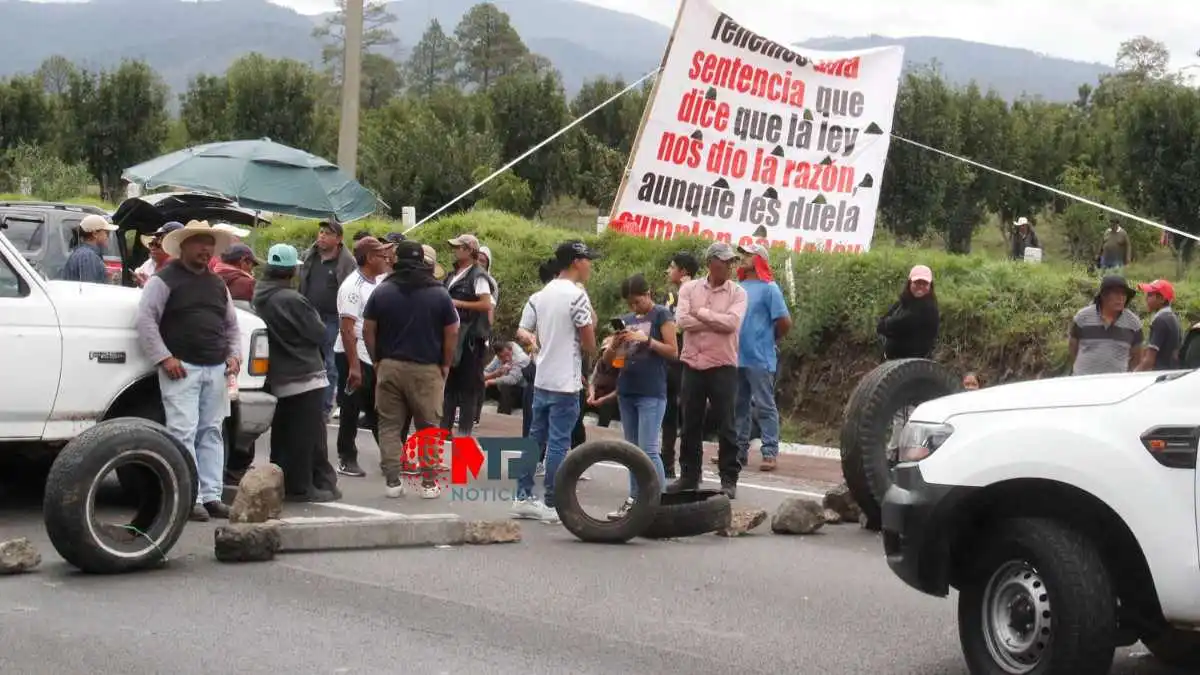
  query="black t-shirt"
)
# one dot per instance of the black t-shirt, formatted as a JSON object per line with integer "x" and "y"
{"x": 1166, "y": 336}
{"x": 322, "y": 287}
{"x": 410, "y": 323}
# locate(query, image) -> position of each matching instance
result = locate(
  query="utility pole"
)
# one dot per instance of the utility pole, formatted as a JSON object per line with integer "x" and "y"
{"x": 352, "y": 34}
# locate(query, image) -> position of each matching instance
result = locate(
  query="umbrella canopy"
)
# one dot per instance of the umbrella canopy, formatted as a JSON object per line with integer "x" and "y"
{"x": 261, "y": 175}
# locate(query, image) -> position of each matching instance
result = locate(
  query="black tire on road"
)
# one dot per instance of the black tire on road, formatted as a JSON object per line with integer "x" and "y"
{"x": 166, "y": 487}
{"x": 1174, "y": 647}
{"x": 1038, "y": 600}
{"x": 690, "y": 513}
{"x": 864, "y": 438}
{"x": 592, "y": 530}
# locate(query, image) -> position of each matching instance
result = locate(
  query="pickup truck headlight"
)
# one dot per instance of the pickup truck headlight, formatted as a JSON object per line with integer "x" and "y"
{"x": 259, "y": 354}
{"x": 919, "y": 440}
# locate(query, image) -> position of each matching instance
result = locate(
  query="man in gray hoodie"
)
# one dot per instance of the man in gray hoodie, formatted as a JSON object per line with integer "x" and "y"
{"x": 297, "y": 377}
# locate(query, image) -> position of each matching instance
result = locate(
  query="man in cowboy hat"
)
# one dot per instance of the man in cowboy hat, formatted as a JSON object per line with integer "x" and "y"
{"x": 1023, "y": 237}
{"x": 158, "y": 257}
{"x": 86, "y": 262}
{"x": 1106, "y": 336}
{"x": 187, "y": 325}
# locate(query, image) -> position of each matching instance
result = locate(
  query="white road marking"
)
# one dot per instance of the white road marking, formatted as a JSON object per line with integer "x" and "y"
{"x": 709, "y": 475}
{"x": 354, "y": 508}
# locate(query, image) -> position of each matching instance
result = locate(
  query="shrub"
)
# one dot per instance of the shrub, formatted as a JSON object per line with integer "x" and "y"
{"x": 1005, "y": 320}
{"x": 51, "y": 179}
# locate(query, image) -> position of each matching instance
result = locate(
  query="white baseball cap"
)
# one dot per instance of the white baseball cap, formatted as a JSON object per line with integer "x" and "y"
{"x": 95, "y": 223}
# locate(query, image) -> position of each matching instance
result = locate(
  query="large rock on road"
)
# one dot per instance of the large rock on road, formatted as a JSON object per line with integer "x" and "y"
{"x": 259, "y": 497}
{"x": 798, "y": 516}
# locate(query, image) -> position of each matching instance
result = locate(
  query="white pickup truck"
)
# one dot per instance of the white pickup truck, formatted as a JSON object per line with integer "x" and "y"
{"x": 69, "y": 358}
{"x": 1064, "y": 511}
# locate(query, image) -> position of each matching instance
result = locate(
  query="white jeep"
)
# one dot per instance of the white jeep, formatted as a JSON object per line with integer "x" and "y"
{"x": 1064, "y": 511}
{"x": 69, "y": 358}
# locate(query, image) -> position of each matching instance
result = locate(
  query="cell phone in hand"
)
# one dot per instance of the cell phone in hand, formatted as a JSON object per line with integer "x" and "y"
{"x": 617, "y": 324}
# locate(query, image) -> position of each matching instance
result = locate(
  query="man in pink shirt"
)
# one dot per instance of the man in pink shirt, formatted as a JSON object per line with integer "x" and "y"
{"x": 710, "y": 313}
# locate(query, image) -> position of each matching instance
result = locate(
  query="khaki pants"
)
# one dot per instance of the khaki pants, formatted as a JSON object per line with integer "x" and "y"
{"x": 404, "y": 389}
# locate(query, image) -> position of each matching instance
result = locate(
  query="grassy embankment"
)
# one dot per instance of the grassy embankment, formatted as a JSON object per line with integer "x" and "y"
{"x": 1005, "y": 320}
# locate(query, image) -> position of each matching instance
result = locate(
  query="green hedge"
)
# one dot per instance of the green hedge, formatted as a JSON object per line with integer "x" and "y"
{"x": 1004, "y": 320}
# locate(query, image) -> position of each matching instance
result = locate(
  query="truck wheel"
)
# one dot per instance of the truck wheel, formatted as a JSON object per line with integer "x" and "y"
{"x": 1038, "y": 600}
{"x": 166, "y": 487}
{"x": 867, "y": 461}
{"x": 590, "y": 529}
{"x": 1174, "y": 647}
{"x": 690, "y": 513}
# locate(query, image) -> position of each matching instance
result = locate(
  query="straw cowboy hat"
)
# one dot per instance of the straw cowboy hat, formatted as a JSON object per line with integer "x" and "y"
{"x": 172, "y": 242}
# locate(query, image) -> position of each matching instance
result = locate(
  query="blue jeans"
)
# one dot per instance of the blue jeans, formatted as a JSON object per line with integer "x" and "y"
{"x": 196, "y": 408}
{"x": 757, "y": 385}
{"x": 554, "y": 415}
{"x": 332, "y": 326}
{"x": 641, "y": 420}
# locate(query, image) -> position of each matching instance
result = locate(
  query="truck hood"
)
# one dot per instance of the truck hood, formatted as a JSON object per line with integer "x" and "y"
{"x": 1060, "y": 392}
{"x": 83, "y": 306}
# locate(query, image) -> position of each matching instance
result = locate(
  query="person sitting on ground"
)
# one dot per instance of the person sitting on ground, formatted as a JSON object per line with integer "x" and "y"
{"x": 602, "y": 385}
{"x": 505, "y": 372}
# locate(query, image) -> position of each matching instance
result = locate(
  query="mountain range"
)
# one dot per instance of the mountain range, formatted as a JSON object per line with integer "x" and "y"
{"x": 182, "y": 39}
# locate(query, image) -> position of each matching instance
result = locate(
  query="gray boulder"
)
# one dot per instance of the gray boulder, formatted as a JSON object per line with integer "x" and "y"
{"x": 798, "y": 516}
{"x": 247, "y": 542}
{"x": 259, "y": 496}
{"x": 18, "y": 555}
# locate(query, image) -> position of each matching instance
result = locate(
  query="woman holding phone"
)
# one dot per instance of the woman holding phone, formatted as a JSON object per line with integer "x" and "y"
{"x": 644, "y": 344}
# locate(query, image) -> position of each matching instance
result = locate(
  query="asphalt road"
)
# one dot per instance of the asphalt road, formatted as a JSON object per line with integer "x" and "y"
{"x": 763, "y": 603}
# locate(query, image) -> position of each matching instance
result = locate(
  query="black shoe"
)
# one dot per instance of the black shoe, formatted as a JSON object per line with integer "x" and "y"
{"x": 217, "y": 509}
{"x": 199, "y": 514}
{"x": 313, "y": 496}
{"x": 350, "y": 467}
{"x": 730, "y": 489}
{"x": 683, "y": 485}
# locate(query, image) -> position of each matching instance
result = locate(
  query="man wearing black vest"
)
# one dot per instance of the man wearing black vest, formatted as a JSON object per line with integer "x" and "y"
{"x": 471, "y": 290}
{"x": 187, "y": 325}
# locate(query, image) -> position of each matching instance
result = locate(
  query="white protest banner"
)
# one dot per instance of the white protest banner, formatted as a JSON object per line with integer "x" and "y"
{"x": 749, "y": 141}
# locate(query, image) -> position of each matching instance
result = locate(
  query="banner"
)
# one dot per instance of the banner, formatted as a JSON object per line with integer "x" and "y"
{"x": 747, "y": 140}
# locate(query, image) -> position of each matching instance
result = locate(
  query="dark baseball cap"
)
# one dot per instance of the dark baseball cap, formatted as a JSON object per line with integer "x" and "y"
{"x": 410, "y": 251}
{"x": 240, "y": 252}
{"x": 331, "y": 225}
{"x": 570, "y": 251}
{"x": 1115, "y": 282}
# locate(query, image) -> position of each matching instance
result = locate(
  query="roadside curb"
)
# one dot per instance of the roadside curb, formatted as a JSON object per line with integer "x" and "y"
{"x": 307, "y": 534}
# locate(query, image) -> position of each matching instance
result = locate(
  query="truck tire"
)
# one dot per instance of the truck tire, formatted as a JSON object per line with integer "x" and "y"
{"x": 1037, "y": 600}
{"x": 690, "y": 513}
{"x": 1174, "y": 647}
{"x": 590, "y": 529}
{"x": 885, "y": 391}
{"x": 167, "y": 486}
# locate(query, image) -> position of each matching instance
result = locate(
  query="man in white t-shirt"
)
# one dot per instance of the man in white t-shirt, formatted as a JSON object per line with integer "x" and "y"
{"x": 356, "y": 373}
{"x": 559, "y": 326}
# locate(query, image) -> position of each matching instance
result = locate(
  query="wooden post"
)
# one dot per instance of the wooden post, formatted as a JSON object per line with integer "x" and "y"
{"x": 637, "y": 139}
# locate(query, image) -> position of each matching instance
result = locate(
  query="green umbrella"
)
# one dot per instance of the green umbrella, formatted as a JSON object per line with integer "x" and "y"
{"x": 261, "y": 175}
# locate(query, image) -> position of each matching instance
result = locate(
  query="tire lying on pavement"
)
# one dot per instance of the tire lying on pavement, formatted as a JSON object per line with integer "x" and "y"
{"x": 884, "y": 391}
{"x": 690, "y": 513}
{"x": 590, "y": 529}
{"x": 163, "y": 478}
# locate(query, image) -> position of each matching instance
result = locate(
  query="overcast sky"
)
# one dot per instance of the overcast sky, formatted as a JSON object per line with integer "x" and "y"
{"x": 1087, "y": 30}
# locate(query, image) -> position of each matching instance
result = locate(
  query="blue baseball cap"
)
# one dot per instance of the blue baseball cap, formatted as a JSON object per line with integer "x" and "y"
{"x": 283, "y": 255}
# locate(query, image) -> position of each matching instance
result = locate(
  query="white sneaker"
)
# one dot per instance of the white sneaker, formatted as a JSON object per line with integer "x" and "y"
{"x": 540, "y": 471}
{"x": 431, "y": 491}
{"x": 533, "y": 509}
{"x": 623, "y": 511}
{"x": 336, "y": 414}
{"x": 394, "y": 491}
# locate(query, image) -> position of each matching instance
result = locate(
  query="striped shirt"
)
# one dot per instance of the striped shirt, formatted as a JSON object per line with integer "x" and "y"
{"x": 1104, "y": 348}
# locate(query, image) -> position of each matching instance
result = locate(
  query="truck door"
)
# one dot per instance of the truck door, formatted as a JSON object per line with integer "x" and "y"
{"x": 30, "y": 351}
